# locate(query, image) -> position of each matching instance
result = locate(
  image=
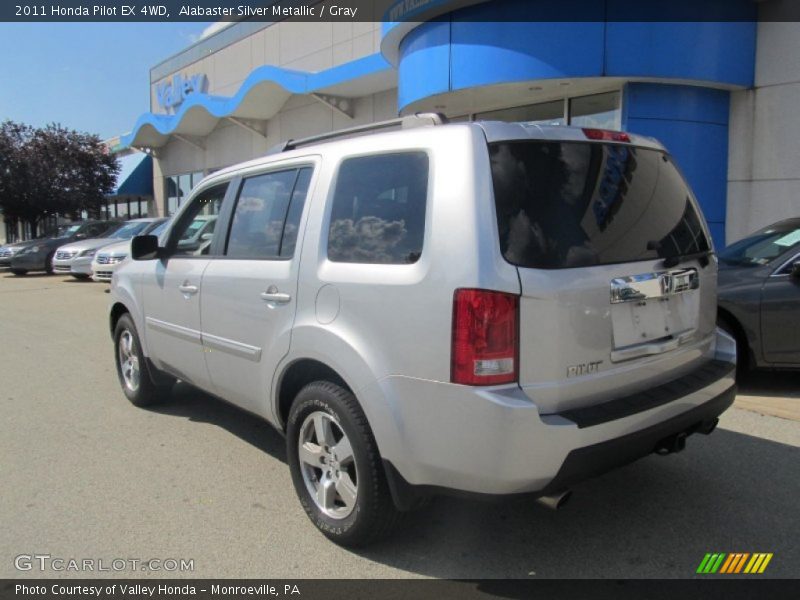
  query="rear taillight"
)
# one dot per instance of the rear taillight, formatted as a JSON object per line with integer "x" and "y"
{"x": 606, "y": 135}
{"x": 485, "y": 335}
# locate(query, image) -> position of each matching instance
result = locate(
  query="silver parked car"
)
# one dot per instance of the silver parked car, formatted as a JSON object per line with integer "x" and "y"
{"x": 107, "y": 258}
{"x": 484, "y": 308}
{"x": 76, "y": 258}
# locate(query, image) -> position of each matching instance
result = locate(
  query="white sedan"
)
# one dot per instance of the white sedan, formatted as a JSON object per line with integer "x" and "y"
{"x": 107, "y": 258}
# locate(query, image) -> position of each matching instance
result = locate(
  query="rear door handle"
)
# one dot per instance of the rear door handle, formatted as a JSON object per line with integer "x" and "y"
{"x": 187, "y": 289}
{"x": 273, "y": 295}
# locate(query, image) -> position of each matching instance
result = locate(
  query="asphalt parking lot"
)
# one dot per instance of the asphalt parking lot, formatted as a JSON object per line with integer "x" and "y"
{"x": 87, "y": 475}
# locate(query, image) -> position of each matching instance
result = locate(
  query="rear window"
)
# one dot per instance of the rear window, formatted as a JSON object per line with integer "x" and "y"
{"x": 576, "y": 204}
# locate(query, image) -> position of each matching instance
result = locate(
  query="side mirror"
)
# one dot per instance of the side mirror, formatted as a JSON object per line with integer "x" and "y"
{"x": 207, "y": 237}
{"x": 80, "y": 236}
{"x": 144, "y": 247}
{"x": 795, "y": 270}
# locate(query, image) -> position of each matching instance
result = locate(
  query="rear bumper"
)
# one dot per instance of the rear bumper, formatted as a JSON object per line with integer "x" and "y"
{"x": 589, "y": 461}
{"x": 441, "y": 438}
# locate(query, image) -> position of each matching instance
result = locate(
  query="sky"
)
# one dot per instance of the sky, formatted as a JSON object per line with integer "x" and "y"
{"x": 91, "y": 77}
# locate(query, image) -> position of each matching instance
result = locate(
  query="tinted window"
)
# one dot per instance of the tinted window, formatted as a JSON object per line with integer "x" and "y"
{"x": 257, "y": 226}
{"x": 194, "y": 231}
{"x": 572, "y": 204}
{"x": 378, "y": 213}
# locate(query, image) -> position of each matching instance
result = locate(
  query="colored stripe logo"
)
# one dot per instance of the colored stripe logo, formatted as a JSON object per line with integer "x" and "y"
{"x": 734, "y": 563}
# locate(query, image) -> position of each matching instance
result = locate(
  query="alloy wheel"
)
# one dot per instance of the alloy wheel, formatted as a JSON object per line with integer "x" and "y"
{"x": 328, "y": 465}
{"x": 129, "y": 360}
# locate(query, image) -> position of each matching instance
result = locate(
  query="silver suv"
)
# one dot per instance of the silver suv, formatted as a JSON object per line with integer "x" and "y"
{"x": 485, "y": 308}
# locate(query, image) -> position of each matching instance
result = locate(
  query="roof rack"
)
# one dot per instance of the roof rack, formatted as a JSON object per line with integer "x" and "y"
{"x": 408, "y": 122}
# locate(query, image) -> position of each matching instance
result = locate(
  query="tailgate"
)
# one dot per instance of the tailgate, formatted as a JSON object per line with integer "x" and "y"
{"x": 618, "y": 289}
{"x": 581, "y": 343}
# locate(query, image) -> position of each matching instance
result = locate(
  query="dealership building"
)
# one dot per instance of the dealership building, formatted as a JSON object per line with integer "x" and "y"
{"x": 723, "y": 96}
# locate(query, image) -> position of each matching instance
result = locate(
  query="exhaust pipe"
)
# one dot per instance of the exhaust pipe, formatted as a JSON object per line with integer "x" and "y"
{"x": 707, "y": 427}
{"x": 555, "y": 501}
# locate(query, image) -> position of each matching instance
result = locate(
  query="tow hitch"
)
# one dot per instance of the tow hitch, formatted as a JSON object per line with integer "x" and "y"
{"x": 671, "y": 444}
{"x": 677, "y": 442}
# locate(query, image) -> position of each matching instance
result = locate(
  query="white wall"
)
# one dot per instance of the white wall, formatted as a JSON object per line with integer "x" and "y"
{"x": 295, "y": 45}
{"x": 229, "y": 144}
{"x": 764, "y": 136}
{"x": 305, "y": 46}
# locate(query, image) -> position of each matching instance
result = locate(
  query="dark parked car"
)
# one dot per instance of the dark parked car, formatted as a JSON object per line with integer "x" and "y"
{"x": 38, "y": 254}
{"x": 759, "y": 296}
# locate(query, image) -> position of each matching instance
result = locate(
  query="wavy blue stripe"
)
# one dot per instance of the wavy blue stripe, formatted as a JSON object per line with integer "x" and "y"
{"x": 295, "y": 82}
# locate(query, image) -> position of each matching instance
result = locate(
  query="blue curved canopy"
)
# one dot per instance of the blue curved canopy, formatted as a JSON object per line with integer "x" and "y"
{"x": 260, "y": 96}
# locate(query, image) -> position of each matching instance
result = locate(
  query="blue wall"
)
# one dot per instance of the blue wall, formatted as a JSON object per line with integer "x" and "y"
{"x": 692, "y": 122}
{"x": 537, "y": 40}
{"x": 458, "y": 51}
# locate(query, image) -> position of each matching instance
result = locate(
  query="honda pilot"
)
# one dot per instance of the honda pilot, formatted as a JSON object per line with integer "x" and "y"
{"x": 426, "y": 308}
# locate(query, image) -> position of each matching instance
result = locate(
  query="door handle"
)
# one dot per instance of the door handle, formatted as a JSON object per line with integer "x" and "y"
{"x": 273, "y": 295}
{"x": 185, "y": 288}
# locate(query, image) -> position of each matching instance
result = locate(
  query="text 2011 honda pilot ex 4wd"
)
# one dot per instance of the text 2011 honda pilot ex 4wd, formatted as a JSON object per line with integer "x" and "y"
{"x": 491, "y": 308}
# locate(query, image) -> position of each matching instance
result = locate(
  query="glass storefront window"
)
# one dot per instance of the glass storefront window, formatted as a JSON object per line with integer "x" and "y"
{"x": 178, "y": 189}
{"x": 171, "y": 184}
{"x": 184, "y": 187}
{"x": 599, "y": 110}
{"x": 546, "y": 113}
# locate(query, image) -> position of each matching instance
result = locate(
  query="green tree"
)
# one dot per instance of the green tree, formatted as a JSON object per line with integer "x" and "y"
{"x": 51, "y": 170}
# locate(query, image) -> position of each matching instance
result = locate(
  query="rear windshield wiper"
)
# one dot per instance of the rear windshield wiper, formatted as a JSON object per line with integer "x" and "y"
{"x": 702, "y": 256}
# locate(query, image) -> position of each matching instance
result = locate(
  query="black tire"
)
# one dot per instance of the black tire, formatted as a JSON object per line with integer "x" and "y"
{"x": 19, "y": 272}
{"x": 374, "y": 515}
{"x": 80, "y": 276}
{"x": 48, "y": 263}
{"x": 147, "y": 392}
{"x": 742, "y": 350}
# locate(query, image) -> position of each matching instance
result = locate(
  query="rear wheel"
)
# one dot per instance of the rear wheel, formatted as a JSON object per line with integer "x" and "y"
{"x": 134, "y": 376}
{"x": 336, "y": 467}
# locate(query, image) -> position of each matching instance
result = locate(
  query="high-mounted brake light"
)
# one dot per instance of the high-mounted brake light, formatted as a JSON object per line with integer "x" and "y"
{"x": 485, "y": 337}
{"x": 606, "y": 135}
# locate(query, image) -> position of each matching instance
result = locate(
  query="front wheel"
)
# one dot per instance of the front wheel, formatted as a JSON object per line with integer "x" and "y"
{"x": 336, "y": 467}
{"x": 742, "y": 351}
{"x": 134, "y": 376}
{"x": 19, "y": 272}
{"x": 48, "y": 263}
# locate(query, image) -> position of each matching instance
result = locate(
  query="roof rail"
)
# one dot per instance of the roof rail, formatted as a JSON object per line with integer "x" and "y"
{"x": 408, "y": 122}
